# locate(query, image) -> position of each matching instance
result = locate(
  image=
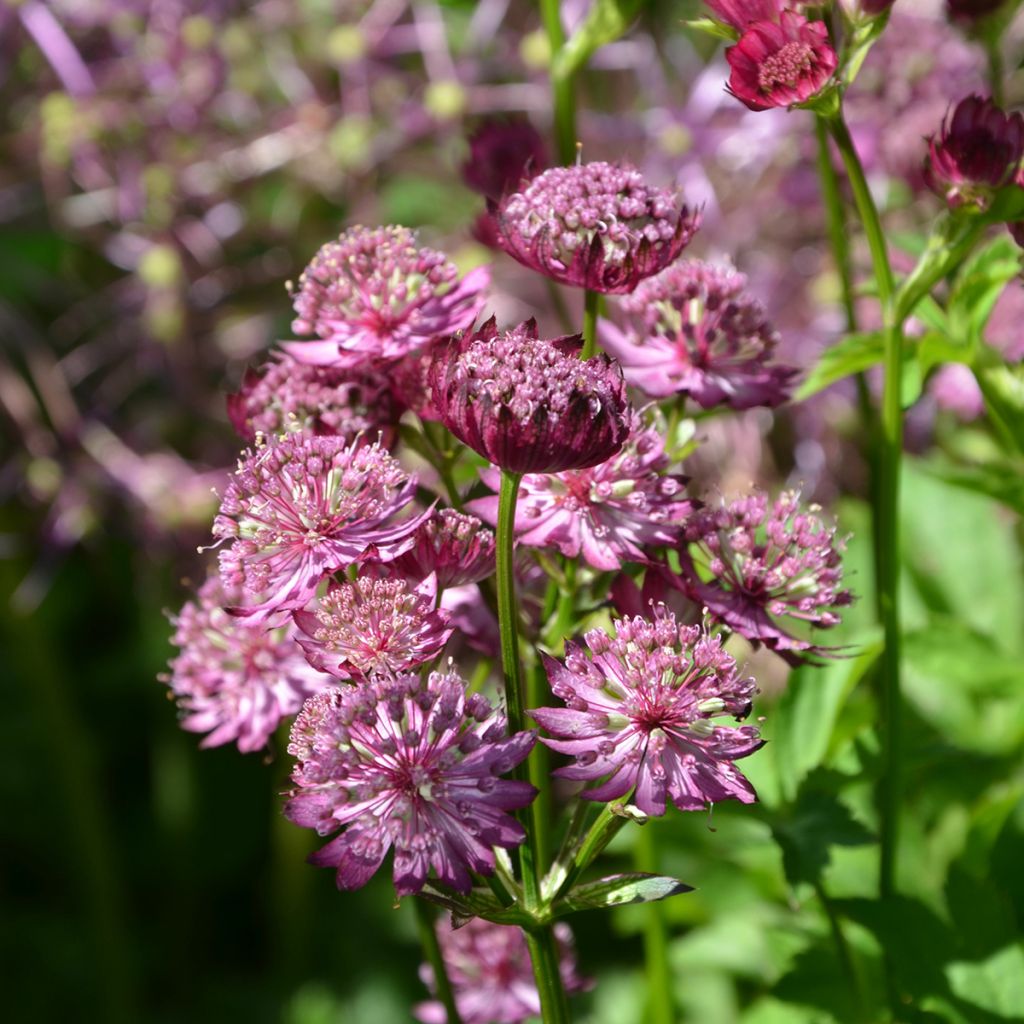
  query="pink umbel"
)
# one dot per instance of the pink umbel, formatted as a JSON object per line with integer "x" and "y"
{"x": 640, "y": 714}
{"x": 413, "y": 764}
{"x": 457, "y": 548}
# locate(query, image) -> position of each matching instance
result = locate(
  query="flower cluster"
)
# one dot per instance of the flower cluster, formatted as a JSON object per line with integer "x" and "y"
{"x": 374, "y": 295}
{"x": 639, "y": 715}
{"x": 304, "y": 507}
{"x": 694, "y": 330}
{"x": 232, "y": 680}
{"x": 766, "y": 571}
{"x": 526, "y": 404}
{"x": 412, "y": 764}
{"x": 457, "y": 548}
{"x": 595, "y": 226}
{"x": 607, "y": 513}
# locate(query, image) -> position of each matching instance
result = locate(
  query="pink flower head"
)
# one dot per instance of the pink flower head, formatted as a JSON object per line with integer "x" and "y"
{"x": 595, "y": 226}
{"x": 286, "y": 396}
{"x": 639, "y": 715}
{"x": 761, "y": 570}
{"x": 977, "y": 150}
{"x": 233, "y": 680}
{"x": 609, "y": 512}
{"x": 304, "y": 507}
{"x": 781, "y": 63}
{"x": 455, "y": 547}
{"x": 373, "y": 626}
{"x": 693, "y": 330}
{"x": 741, "y": 13}
{"x": 488, "y": 966}
{"x": 502, "y": 153}
{"x": 374, "y": 295}
{"x": 409, "y": 763}
{"x": 526, "y": 404}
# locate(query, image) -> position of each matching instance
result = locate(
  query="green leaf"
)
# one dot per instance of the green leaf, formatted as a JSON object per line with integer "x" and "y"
{"x": 476, "y": 903}
{"x": 1003, "y": 389}
{"x": 710, "y": 27}
{"x": 618, "y": 890}
{"x": 978, "y": 286}
{"x": 1001, "y": 480}
{"x": 605, "y": 22}
{"x": 995, "y": 985}
{"x": 853, "y": 354}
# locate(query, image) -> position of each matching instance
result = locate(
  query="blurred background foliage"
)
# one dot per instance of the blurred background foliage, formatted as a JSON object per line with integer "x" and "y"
{"x": 149, "y": 220}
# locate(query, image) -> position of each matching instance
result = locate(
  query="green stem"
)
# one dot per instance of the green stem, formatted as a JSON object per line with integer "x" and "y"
{"x": 562, "y": 91}
{"x": 565, "y": 614}
{"x": 887, "y": 546}
{"x": 432, "y": 949}
{"x": 602, "y": 832}
{"x": 554, "y": 1006}
{"x": 590, "y": 301}
{"x": 846, "y": 960}
{"x": 538, "y": 767}
{"x": 659, "y": 975}
{"x": 439, "y": 440}
{"x": 508, "y": 611}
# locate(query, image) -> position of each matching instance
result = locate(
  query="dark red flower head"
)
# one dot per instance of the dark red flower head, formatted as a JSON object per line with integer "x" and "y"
{"x": 529, "y": 405}
{"x": 502, "y": 153}
{"x": 597, "y": 226}
{"x": 741, "y": 13}
{"x": 977, "y": 150}
{"x": 971, "y": 10}
{"x": 780, "y": 64}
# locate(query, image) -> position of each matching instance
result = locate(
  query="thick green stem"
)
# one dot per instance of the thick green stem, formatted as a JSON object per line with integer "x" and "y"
{"x": 590, "y": 301}
{"x": 554, "y": 1006}
{"x": 659, "y": 975}
{"x": 886, "y": 506}
{"x": 562, "y": 88}
{"x": 432, "y": 949}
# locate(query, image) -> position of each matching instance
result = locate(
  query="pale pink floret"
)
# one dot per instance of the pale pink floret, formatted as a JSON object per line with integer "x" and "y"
{"x": 374, "y": 295}
{"x": 640, "y": 715}
{"x": 232, "y": 680}
{"x": 457, "y": 548}
{"x": 609, "y": 513}
{"x": 304, "y": 507}
{"x": 694, "y": 330}
{"x": 488, "y": 966}
{"x": 409, "y": 763}
{"x": 373, "y": 625}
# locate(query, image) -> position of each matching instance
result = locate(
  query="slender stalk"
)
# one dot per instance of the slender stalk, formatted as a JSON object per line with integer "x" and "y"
{"x": 439, "y": 440}
{"x": 432, "y": 949}
{"x": 554, "y": 1006}
{"x": 846, "y": 960}
{"x": 562, "y": 91}
{"x": 887, "y": 550}
{"x": 606, "y": 826}
{"x": 590, "y": 301}
{"x": 508, "y": 611}
{"x": 538, "y": 767}
{"x": 660, "y": 1009}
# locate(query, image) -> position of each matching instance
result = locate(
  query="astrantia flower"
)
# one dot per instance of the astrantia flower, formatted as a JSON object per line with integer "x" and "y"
{"x": 607, "y": 513}
{"x": 412, "y": 764}
{"x": 286, "y": 396}
{"x": 455, "y": 547}
{"x": 693, "y": 330}
{"x": 596, "y": 226}
{"x": 977, "y": 150}
{"x": 233, "y": 680}
{"x": 489, "y": 968}
{"x": 501, "y": 154}
{"x": 374, "y": 625}
{"x": 306, "y": 506}
{"x": 526, "y": 404}
{"x": 763, "y": 570}
{"x": 639, "y": 715}
{"x": 741, "y": 13}
{"x": 780, "y": 64}
{"x": 374, "y": 295}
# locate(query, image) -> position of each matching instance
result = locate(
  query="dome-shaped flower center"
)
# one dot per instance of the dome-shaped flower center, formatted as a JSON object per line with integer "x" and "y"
{"x": 785, "y": 66}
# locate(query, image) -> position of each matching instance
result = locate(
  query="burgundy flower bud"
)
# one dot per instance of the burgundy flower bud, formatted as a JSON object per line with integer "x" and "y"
{"x": 529, "y": 405}
{"x": 971, "y": 10}
{"x": 875, "y": 7}
{"x": 781, "y": 64}
{"x": 595, "y": 226}
{"x": 741, "y": 13}
{"x": 502, "y": 153}
{"x": 977, "y": 150}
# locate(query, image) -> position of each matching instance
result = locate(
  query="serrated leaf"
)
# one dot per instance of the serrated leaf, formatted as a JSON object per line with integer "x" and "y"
{"x": 853, "y": 354}
{"x": 620, "y": 890}
{"x": 605, "y": 22}
{"x": 476, "y": 903}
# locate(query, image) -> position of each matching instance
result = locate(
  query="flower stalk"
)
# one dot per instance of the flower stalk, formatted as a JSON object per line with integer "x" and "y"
{"x": 660, "y": 1009}
{"x": 562, "y": 86}
{"x": 590, "y": 305}
{"x": 432, "y": 949}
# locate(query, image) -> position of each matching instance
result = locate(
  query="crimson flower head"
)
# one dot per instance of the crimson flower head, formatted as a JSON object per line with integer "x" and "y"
{"x": 977, "y": 150}
{"x": 374, "y": 295}
{"x": 597, "y": 226}
{"x": 373, "y": 625}
{"x": 235, "y": 681}
{"x": 972, "y": 10}
{"x": 781, "y": 63}
{"x": 694, "y": 330}
{"x": 304, "y": 507}
{"x": 767, "y": 572}
{"x": 488, "y": 966}
{"x": 456, "y": 548}
{"x": 640, "y": 715}
{"x": 608, "y": 513}
{"x": 286, "y": 396}
{"x": 741, "y": 13}
{"x": 412, "y": 764}
{"x": 501, "y": 154}
{"x": 526, "y": 404}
